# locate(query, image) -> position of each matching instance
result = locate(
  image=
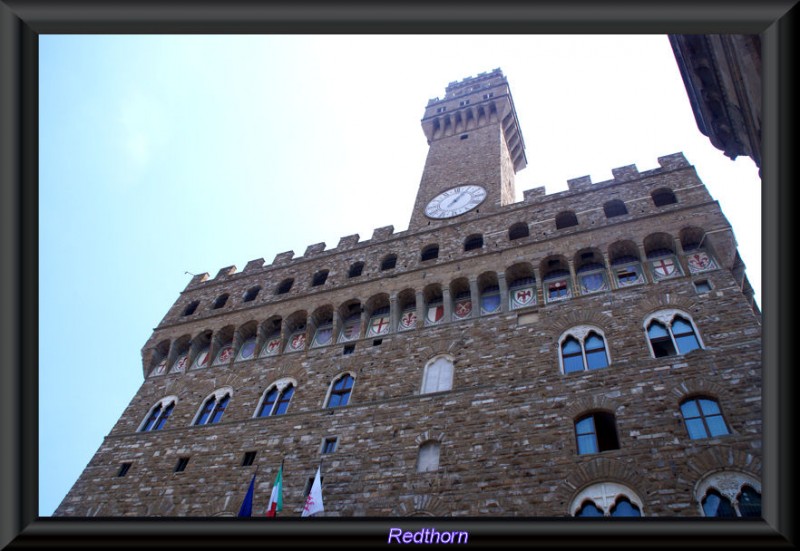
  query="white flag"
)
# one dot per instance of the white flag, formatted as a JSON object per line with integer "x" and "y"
{"x": 314, "y": 499}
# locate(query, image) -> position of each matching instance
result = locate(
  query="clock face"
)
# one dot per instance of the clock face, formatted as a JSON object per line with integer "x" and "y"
{"x": 455, "y": 201}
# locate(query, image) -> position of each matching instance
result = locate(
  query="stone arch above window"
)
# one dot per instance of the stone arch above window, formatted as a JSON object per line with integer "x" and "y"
{"x": 246, "y": 341}
{"x": 566, "y": 219}
{"x": 340, "y": 390}
{"x": 437, "y": 376}
{"x": 518, "y": 231}
{"x": 663, "y": 197}
{"x": 158, "y": 414}
{"x": 407, "y": 303}
{"x": 590, "y": 269}
{"x": 428, "y": 456}
{"x": 583, "y": 348}
{"x": 521, "y": 285}
{"x": 556, "y": 279}
{"x": 434, "y": 304}
{"x": 181, "y": 350}
{"x": 271, "y": 330}
{"x": 429, "y": 253}
{"x": 275, "y": 399}
{"x": 201, "y": 350}
{"x": 660, "y": 251}
{"x": 350, "y": 314}
{"x": 615, "y": 207}
{"x": 626, "y": 265}
{"x": 322, "y": 320}
{"x": 296, "y": 331}
{"x": 159, "y": 358}
{"x": 609, "y": 499}
{"x": 213, "y": 407}
{"x": 671, "y": 332}
{"x": 729, "y": 494}
{"x": 379, "y": 321}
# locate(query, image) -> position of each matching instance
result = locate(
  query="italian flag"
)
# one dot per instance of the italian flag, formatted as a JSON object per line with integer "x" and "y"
{"x": 276, "y": 499}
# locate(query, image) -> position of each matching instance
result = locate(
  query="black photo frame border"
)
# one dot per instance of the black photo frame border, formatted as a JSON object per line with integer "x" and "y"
{"x": 22, "y": 21}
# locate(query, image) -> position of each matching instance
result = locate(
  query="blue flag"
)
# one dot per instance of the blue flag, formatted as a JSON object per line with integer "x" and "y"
{"x": 246, "y": 509}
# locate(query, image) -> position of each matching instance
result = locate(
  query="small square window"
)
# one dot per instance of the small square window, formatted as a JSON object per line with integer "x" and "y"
{"x": 702, "y": 286}
{"x": 377, "y": 342}
{"x": 249, "y": 457}
{"x": 181, "y": 465}
{"x": 348, "y": 349}
{"x": 123, "y": 470}
{"x": 309, "y": 483}
{"x": 329, "y": 444}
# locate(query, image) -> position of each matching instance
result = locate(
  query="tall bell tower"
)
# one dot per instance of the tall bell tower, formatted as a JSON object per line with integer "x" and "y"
{"x": 476, "y": 147}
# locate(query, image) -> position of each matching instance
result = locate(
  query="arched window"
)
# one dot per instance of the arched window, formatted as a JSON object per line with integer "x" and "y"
{"x": 615, "y": 207}
{"x": 275, "y": 400}
{"x": 430, "y": 252}
{"x": 355, "y": 269}
{"x": 319, "y": 278}
{"x": 428, "y": 458}
{"x": 220, "y": 302}
{"x": 662, "y": 197}
{"x": 596, "y": 432}
{"x": 729, "y": 494}
{"x": 583, "y": 349}
{"x": 191, "y": 307}
{"x": 213, "y": 408}
{"x": 340, "y": 391}
{"x": 566, "y": 219}
{"x": 438, "y": 375}
{"x": 670, "y": 333}
{"x": 703, "y": 418}
{"x": 609, "y": 499}
{"x": 158, "y": 415}
{"x": 389, "y": 262}
{"x": 284, "y": 286}
{"x": 518, "y": 231}
{"x": 473, "y": 242}
{"x": 251, "y": 294}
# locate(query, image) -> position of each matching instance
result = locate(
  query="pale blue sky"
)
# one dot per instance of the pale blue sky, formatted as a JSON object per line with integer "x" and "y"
{"x": 166, "y": 154}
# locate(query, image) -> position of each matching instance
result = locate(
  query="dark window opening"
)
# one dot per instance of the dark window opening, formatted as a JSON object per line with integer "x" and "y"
{"x": 464, "y": 136}
{"x": 389, "y": 262}
{"x": 356, "y": 269}
{"x": 566, "y": 219}
{"x": 284, "y": 286}
{"x": 309, "y": 483}
{"x": 191, "y": 308}
{"x": 251, "y": 294}
{"x": 615, "y": 208}
{"x": 377, "y": 342}
{"x": 660, "y": 340}
{"x": 518, "y": 231}
{"x": 220, "y": 302}
{"x": 340, "y": 393}
{"x": 319, "y": 278}
{"x": 473, "y": 242}
{"x": 248, "y": 459}
{"x": 596, "y": 433}
{"x": 181, "y": 465}
{"x": 348, "y": 349}
{"x": 430, "y": 252}
{"x": 124, "y": 468}
{"x": 329, "y": 446}
{"x": 662, "y": 197}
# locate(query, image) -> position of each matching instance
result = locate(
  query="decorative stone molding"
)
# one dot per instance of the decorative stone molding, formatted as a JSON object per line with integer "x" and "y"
{"x": 595, "y": 402}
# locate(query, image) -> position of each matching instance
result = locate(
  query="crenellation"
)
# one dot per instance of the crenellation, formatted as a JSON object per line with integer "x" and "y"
{"x": 348, "y": 242}
{"x": 625, "y": 173}
{"x": 225, "y": 273}
{"x": 314, "y": 250}
{"x": 673, "y": 161}
{"x": 254, "y": 265}
{"x": 381, "y": 234}
{"x": 582, "y": 183}
{"x": 283, "y": 259}
{"x": 534, "y": 195}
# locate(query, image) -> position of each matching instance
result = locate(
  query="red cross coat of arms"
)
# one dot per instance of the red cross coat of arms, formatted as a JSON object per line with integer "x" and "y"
{"x": 379, "y": 325}
{"x": 463, "y": 309}
{"x": 664, "y": 267}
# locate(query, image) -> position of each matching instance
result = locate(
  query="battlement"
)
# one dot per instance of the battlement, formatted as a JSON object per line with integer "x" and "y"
{"x": 537, "y": 195}
{"x": 468, "y": 85}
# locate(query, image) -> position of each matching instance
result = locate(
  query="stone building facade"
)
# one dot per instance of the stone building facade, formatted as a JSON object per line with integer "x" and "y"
{"x": 593, "y": 351}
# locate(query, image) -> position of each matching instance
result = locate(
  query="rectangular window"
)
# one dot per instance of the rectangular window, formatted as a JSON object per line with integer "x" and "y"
{"x": 309, "y": 483}
{"x": 181, "y": 465}
{"x": 248, "y": 459}
{"x": 377, "y": 342}
{"x": 348, "y": 349}
{"x": 123, "y": 470}
{"x": 329, "y": 445}
{"x": 702, "y": 286}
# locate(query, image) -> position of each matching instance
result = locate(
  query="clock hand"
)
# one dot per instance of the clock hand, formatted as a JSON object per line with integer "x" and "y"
{"x": 454, "y": 201}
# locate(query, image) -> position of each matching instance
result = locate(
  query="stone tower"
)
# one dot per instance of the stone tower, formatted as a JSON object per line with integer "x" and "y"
{"x": 590, "y": 352}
